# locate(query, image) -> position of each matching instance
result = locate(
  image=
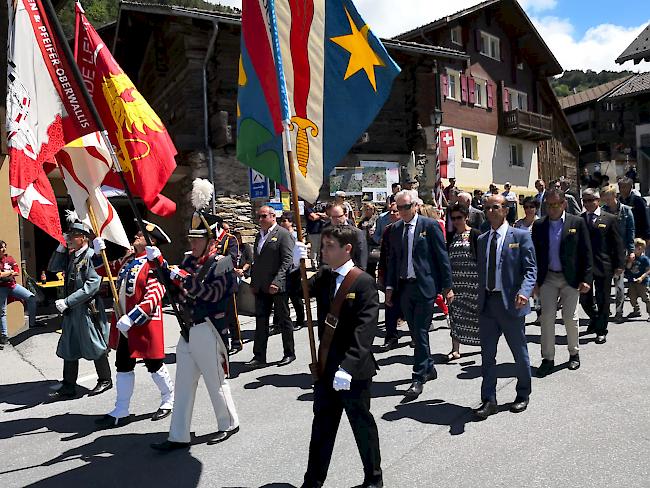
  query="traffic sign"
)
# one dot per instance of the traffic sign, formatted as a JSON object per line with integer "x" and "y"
{"x": 258, "y": 183}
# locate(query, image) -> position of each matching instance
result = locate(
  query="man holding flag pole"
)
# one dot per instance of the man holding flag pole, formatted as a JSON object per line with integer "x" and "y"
{"x": 320, "y": 58}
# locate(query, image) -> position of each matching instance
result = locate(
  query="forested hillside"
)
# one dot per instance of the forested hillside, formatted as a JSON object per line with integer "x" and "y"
{"x": 575, "y": 81}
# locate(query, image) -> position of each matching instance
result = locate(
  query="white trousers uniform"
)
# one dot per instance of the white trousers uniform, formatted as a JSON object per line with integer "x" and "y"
{"x": 203, "y": 356}
{"x": 555, "y": 286}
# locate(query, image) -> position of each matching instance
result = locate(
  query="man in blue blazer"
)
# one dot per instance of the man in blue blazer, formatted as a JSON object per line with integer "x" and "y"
{"x": 418, "y": 270}
{"x": 507, "y": 271}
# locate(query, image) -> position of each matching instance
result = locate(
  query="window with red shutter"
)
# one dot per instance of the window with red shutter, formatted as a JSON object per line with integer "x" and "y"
{"x": 471, "y": 88}
{"x": 506, "y": 100}
{"x": 490, "y": 95}
{"x": 444, "y": 85}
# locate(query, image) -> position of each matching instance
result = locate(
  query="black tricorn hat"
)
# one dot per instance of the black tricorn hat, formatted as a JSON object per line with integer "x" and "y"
{"x": 156, "y": 232}
{"x": 204, "y": 224}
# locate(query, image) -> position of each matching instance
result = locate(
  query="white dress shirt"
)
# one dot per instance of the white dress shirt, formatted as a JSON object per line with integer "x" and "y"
{"x": 342, "y": 271}
{"x": 501, "y": 235}
{"x": 410, "y": 270}
{"x": 263, "y": 237}
{"x": 79, "y": 252}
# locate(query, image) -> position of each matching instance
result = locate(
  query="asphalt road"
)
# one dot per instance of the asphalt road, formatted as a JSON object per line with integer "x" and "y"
{"x": 585, "y": 428}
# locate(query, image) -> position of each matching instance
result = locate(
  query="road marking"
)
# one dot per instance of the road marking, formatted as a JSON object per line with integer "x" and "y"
{"x": 88, "y": 377}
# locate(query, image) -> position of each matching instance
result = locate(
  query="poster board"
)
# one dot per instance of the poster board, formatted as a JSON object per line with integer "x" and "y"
{"x": 378, "y": 178}
{"x": 348, "y": 180}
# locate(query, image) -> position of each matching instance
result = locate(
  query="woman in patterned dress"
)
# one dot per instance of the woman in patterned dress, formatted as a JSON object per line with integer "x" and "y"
{"x": 463, "y": 311}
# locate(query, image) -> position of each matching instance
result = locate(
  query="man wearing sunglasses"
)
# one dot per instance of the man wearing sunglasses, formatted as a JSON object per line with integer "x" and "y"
{"x": 418, "y": 270}
{"x": 507, "y": 270}
{"x": 609, "y": 260}
{"x": 272, "y": 259}
{"x": 564, "y": 265}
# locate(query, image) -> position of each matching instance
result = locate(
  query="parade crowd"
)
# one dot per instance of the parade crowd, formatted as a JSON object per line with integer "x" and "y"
{"x": 474, "y": 261}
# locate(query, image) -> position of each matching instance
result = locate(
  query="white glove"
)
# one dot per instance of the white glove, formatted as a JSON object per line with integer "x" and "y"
{"x": 61, "y": 305}
{"x": 299, "y": 252}
{"x": 98, "y": 245}
{"x": 341, "y": 380}
{"x": 153, "y": 253}
{"x": 176, "y": 273}
{"x": 124, "y": 324}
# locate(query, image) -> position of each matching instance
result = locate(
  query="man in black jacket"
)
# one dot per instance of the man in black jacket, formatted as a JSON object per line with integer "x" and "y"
{"x": 608, "y": 258}
{"x": 272, "y": 258}
{"x": 346, "y": 375}
{"x": 564, "y": 263}
{"x": 639, "y": 208}
{"x": 337, "y": 216}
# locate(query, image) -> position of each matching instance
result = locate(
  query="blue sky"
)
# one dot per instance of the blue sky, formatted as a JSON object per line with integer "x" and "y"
{"x": 582, "y": 34}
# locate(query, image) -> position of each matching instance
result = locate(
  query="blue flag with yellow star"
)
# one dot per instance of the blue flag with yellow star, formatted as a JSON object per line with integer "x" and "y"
{"x": 321, "y": 60}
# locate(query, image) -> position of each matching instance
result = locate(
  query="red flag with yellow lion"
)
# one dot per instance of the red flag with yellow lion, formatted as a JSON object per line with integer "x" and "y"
{"x": 143, "y": 146}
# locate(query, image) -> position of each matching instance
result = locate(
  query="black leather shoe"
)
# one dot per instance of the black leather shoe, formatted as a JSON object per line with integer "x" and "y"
{"x": 574, "y": 362}
{"x": 601, "y": 339}
{"x": 4, "y": 340}
{"x": 519, "y": 405}
{"x": 63, "y": 393}
{"x": 169, "y": 446}
{"x": 223, "y": 435}
{"x": 161, "y": 413}
{"x": 388, "y": 345}
{"x": 374, "y": 484}
{"x": 235, "y": 349}
{"x": 545, "y": 368}
{"x": 101, "y": 387}
{"x": 110, "y": 422}
{"x": 287, "y": 360}
{"x": 255, "y": 363}
{"x": 273, "y": 330}
{"x": 486, "y": 409}
{"x": 433, "y": 374}
{"x": 298, "y": 326}
{"x": 414, "y": 390}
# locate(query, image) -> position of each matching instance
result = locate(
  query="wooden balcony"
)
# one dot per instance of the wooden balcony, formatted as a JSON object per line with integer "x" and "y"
{"x": 527, "y": 125}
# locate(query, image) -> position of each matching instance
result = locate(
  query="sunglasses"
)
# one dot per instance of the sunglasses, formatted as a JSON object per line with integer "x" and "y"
{"x": 408, "y": 206}
{"x": 494, "y": 207}
{"x": 554, "y": 205}
{"x": 263, "y": 215}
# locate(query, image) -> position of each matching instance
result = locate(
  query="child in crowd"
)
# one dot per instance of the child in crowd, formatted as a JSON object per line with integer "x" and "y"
{"x": 638, "y": 275}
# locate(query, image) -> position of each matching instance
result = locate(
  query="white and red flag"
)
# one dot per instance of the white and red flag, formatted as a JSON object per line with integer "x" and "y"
{"x": 84, "y": 164}
{"x": 447, "y": 154}
{"x": 45, "y": 110}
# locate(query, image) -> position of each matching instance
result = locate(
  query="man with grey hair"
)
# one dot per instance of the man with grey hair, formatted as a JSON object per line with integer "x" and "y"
{"x": 608, "y": 262}
{"x": 476, "y": 218}
{"x": 573, "y": 207}
{"x": 625, "y": 220}
{"x": 639, "y": 208}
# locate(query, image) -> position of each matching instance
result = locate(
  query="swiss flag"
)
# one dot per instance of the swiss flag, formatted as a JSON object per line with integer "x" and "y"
{"x": 45, "y": 110}
{"x": 447, "y": 156}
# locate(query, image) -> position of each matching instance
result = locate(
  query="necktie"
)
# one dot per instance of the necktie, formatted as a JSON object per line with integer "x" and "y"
{"x": 404, "y": 268}
{"x": 492, "y": 268}
{"x": 592, "y": 218}
{"x": 335, "y": 275}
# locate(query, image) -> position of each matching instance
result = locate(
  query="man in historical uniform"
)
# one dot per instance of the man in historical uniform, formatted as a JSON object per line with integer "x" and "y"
{"x": 138, "y": 333}
{"x": 206, "y": 281}
{"x": 84, "y": 330}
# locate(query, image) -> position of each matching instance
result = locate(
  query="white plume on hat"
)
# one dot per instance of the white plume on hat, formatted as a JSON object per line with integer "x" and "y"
{"x": 71, "y": 216}
{"x": 202, "y": 191}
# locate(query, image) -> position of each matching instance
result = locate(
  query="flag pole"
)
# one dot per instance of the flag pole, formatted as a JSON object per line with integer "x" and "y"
{"x": 313, "y": 366}
{"x": 67, "y": 52}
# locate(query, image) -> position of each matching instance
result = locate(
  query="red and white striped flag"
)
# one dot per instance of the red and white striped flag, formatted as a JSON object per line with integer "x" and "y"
{"x": 84, "y": 164}
{"x": 45, "y": 110}
{"x": 447, "y": 154}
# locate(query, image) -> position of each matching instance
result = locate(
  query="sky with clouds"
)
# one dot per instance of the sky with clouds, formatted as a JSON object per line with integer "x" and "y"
{"x": 583, "y": 34}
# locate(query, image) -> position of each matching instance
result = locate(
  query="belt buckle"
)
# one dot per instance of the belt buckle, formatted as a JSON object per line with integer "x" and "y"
{"x": 331, "y": 321}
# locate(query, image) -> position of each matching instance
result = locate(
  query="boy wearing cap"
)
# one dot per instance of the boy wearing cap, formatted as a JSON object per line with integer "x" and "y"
{"x": 139, "y": 332}
{"x": 84, "y": 330}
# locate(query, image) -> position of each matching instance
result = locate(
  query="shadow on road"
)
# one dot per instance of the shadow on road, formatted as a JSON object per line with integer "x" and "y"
{"x": 78, "y": 426}
{"x": 125, "y": 460}
{"x": 299, "y": 380}
{"x": 25, "y": 395}
{"x": 434, "y": 412}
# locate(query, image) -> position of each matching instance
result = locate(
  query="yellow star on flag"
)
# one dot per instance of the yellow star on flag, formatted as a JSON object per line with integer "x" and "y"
{"x": 362, "y": 56}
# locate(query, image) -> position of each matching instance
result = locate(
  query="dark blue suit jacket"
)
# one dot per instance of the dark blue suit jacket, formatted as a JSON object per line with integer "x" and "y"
{"x": 518, "y": 269}
{"x": 430, "y": 258}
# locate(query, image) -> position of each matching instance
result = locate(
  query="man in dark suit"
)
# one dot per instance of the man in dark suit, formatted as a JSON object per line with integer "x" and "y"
{"x": 540, "y": 197}
{"x": 564, "y": 263}
{"x": 346, "y": 376}
{"x": 476, "y": 218}
{"x": 418, "y": 270}
{"x": 337, "y": 216}
{"x": 639, "y": 208}
{"x": 609, "y": 261}
{"x": 507, "y": 271}
{"x": 272, "y": 258}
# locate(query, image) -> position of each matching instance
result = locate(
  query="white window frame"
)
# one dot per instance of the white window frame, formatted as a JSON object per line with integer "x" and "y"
{"x": 520, "y": 97}
{"x": 458, "y": 36}
{"x": 519, "y": 155}
{"x": 473, "y": 155}
{"x": 490, "y": 46}
{"x": 480, "y": 92}
{"x": 455, "y": 95}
